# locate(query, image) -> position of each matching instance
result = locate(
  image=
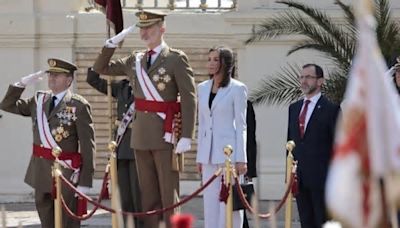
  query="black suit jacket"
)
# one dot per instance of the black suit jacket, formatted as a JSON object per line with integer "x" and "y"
{"x": 251, "y": 142}
{"x": 313, "y": 151}
{"x": 122, "y": 91}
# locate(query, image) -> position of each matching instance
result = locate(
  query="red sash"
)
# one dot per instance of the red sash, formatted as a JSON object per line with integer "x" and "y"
{"x": 170, "y": 108}
{"x": 45, "y": 153}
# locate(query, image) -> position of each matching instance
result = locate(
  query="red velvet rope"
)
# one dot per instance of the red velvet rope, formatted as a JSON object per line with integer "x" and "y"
{"x": 71, "y": 214}
{"x": 137, "y": 214}
{"x": 276, "y": 209}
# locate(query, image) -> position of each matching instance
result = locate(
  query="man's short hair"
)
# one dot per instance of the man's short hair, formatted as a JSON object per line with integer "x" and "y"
{"x": 318, "y": 70}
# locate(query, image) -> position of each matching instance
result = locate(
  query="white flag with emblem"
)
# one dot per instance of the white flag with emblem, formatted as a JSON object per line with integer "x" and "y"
{"x": 367, "y": 145}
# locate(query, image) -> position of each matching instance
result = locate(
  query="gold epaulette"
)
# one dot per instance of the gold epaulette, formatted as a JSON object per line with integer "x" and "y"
{"x": 180, "y": 52}
{"x": 79, "y": 98}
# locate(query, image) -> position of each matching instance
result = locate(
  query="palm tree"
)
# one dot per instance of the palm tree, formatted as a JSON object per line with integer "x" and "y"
{"x": 336, "y": 41}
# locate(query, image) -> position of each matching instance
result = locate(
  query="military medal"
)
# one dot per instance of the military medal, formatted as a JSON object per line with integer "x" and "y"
{"x": 65, "y": 134}
{"x": 66, "y": 116}
{"x": 161, "y": 70}
{"x": 58, "y": 138}
{"x": 60, "y": 130}
{"x": 166, "y": 78}
{"x": 161, "y": 86}
{"x": 156, "y": 77}
{"x": 162, "y": 77}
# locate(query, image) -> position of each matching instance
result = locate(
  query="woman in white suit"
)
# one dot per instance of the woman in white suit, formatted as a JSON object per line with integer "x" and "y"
{"x": 222, "y": 103}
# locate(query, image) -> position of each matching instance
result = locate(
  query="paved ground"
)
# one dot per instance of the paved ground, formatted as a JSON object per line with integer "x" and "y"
{"x": 25, "y": 214}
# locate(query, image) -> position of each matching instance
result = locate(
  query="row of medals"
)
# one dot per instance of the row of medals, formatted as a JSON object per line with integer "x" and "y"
{"x": 66, "y": 117}
{"x": 161, "y": 79}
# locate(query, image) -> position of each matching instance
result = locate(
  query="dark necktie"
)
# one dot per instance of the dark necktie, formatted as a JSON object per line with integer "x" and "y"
{"x": 52, "y": 103}
{"x": 149, "y": 54}
{"x": 302, "y": 118}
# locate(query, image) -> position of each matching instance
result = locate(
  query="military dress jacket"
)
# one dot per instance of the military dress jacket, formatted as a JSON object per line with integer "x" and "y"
{"x": 71, "y": 120}
{"x": 170, "y": 74}
{"x": 122, "y": 91}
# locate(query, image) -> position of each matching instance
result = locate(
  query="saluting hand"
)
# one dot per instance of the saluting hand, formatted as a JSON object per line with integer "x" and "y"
{"x": 32, "y": 78}
{"x": 113, "y": 41}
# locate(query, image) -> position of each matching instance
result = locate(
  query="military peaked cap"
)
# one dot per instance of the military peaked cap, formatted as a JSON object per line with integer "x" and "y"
{"x": 60, "y": 66}
{"x": 148, "y": 18}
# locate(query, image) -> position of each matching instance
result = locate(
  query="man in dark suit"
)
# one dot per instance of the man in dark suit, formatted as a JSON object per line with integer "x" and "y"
{"x": 251, "y": 150}
{"x": 126, "y": 164}
{"x": 59, "y": 118}
{"x": 312, "y": 122}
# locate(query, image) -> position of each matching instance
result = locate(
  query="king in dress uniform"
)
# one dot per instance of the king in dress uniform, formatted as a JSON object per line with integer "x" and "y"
{"x": 59, "y": 118}
{"x": 157, "y": 75}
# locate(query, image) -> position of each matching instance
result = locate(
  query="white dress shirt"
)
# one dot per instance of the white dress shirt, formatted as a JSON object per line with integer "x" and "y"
{"x": 157, "y": 51}
{"x": 59, "y": 96}
{"x": 311, "y": 106}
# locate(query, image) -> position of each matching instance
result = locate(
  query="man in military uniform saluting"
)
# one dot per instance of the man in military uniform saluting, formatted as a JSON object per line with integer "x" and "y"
{"x": 59, "y": 118}
{"x": 157, "y": 74}
{"x": 126, "y": 164}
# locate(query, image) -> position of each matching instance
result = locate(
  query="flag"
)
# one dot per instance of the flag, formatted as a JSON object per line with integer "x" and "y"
{"x": 113, "y": 11}
{"x": 367, "y": 147}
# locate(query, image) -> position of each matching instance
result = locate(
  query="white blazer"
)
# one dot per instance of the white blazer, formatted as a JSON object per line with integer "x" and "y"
{"x": 224, "y": 124}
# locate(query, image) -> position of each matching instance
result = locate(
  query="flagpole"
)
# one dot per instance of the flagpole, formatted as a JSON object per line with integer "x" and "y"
{"x": 385, "y": 213}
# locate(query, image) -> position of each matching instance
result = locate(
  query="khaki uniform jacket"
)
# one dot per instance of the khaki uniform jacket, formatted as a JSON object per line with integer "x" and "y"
{"x": 80, "y": 135}
{"x": 170, "y": 74}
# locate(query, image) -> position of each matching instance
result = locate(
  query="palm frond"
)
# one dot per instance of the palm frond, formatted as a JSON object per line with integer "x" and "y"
{"x": 348, "y": 13}
{"x": 335, "y": 86}
{"x": 387, "y": 30}
{"x": 281, "y": 88}
{"x": 293, "y": 22}
{"x": 321, "y": 19}
{"x": 326, "y": 47}
{"x": 336, "y": 41}
{"x": 350, "y": 25}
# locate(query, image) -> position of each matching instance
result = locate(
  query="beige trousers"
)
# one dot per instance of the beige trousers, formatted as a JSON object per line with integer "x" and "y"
{"x": 159, "y": 184}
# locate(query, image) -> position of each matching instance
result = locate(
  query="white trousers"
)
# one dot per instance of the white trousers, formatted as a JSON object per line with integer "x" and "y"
{"x": 214, "y": 210}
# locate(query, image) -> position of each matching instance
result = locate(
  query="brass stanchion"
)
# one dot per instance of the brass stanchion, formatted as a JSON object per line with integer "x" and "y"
{"x": 289, "y": 166}
{"x": 110, "y": 110}
{"x": 56, "y": 172}
{"x": 228, "y": 176}
{"x": 112, "y": 146}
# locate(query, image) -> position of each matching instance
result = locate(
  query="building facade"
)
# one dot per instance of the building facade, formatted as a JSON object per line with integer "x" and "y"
{"x": 32, "y": 31}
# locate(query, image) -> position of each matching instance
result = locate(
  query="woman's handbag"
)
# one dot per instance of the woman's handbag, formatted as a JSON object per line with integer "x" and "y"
{"x": 248, "y": 191}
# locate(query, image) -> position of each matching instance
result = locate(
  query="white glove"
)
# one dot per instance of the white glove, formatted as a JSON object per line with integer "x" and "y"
{"x": 184, "y": 145}
{"x": 390, "y": 72}
{"x": 82, "y": 189}
{"x": 113, "y": 41}
{"x": 32, "y": 78}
